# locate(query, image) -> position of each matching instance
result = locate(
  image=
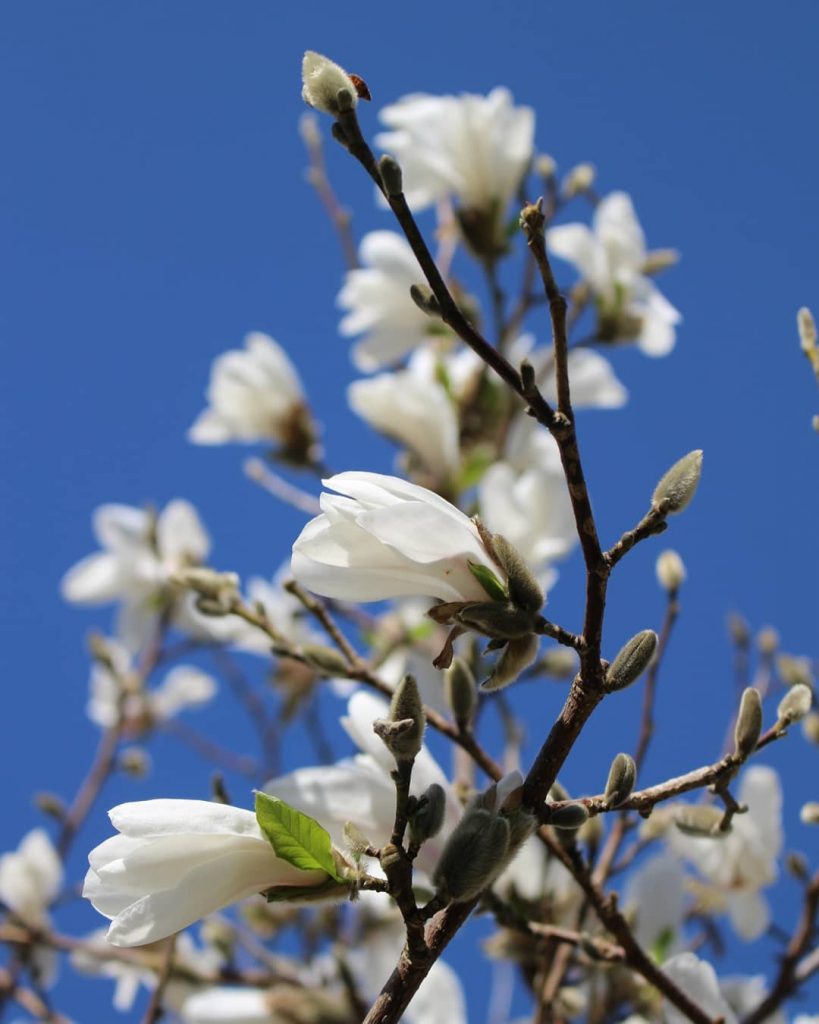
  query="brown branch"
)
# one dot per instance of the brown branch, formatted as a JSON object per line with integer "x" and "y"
{"x": 672, "y": 610}
{"x": 28, "y": 999}
{"x": 153, "y": 1011}
{"x": 103, "y": 765}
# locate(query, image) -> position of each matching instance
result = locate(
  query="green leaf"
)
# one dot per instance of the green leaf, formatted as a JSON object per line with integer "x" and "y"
{"x": 296, "y": 837}
{"x": 489, "y": 581}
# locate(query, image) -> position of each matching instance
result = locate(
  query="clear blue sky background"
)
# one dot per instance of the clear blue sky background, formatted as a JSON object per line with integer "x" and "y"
{"x": 153, "y": 210}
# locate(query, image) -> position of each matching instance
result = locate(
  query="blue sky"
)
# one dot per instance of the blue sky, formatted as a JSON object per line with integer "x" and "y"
{"x": 153, "y": 210}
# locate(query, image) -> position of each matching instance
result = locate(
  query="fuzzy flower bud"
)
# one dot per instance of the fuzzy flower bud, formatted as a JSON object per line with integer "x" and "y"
{"x": 403, "y": 734}
{"x": 810, "y": 727}
{"x": 670, "y": 571}
{"x": 424, "y": 298}
{"x": 475, "y": 854}
{"x": 632, "y": 661}
{"x": 579, "y": 179}
{"x": 460, "y": 691}
{"x": 749, "y": 723}
{"x": 427, "y": 816}
{"x": 524, "y": 589}
{"x": 572, "y": 816}
{"x": 545, "y": 166}
{"x": 700, "y": 820}
{"x": 622, "y": 776}
{"x": 809, "y": 815}
{"x": 676, "y": 489}
{"x": 794, "y": 705}
{"x": 325, "y": 85}
{"x": 517, "y": 656}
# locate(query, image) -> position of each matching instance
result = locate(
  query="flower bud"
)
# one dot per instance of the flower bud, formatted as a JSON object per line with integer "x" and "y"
{"x": 524, "y": 589}
{"x": 558, "y": 663}
{"x": 496, "y": 620}
{"x": 325, "y": 659}
{"x": 794, "y": 705}
{"x": 579, "y": 179}
{"x": 739, "y": 630}
{"x": 796, "y": 864}
{"x": 767, "y": 640}
{"x": 749, "y": 723}
{"x": 570, "y": 816}
{"x": 670, "y": 571}
{"x": 545, "y": 166}
{"x": 424, "y": 298}
{"x": 700, "y": 820}
{"x": 632, "y": 661}
{"x": 460, "y": 691}
{"x": 794, "y": 670}
{"x": 474, "y": 855}
{"x": 391, "y": 176}
{"x": 676, "y": 489}
{"x": 406, "y": 706}
{"x": 806, "y": 326}
{"x": 620, "y": 783}
{"x": 216, "y": 588}
{"x": 135, "y": 761}
{"x": 326, "y": 86}
{"x": 517, "y": 656}
{"x": 660, "y": 259}
{"x": 809, "y": 815}
{"x": 51, "y": 804}
{"x": 427, "y": 816}
{"x": 810, "y": 727}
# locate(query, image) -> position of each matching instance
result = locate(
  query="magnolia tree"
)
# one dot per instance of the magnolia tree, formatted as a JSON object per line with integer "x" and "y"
{"x": 607, "y": 906}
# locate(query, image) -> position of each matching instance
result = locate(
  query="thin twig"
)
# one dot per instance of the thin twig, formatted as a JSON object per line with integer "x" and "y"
{"x": 263, "y": 475}
{"x": 154, "y": 1009}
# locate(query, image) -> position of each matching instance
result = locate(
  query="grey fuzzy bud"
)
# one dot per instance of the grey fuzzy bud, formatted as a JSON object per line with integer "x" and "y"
{"x": 524, "y": 590}
{"x": 700, "y": 820}
{"x": 676, "y": 489}
{"x": 620, "y": 783}
{"x": 427, "y": 816}
{"x": 810, "y": 727}
{"x": 517, "y": 656}
{"x": 391, "y": 175}
{"x": 475, "y": 854}
{"x": 325, "y": 659}
{"x": 749, "y": 723}
{"x": 570, "y": 816}
{"x": 496, "y": 620}
{"x": 794, "y": 705}
{"x": 424, "y": 298}
{"x": 406, "y": 705}
{"x": 460, "y": 691}
{"x": 632, "y": 661}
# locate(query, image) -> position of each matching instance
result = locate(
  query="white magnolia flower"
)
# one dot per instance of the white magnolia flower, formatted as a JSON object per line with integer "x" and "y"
{"x": 389, "y": 538}
{"x": 183, "y": 687}
{"x": 359, "y": 789}
{"x": 611, "y": 258}
{"x": 140, "y": 553}
{"x": 377, "y": 299}
{"x": 655, "y": 899}
{"x": 254, "y": 395}
{"x": 31, "y": 877}
{"x": 176, "y": 861}
{"x": 322, "y": 80}
{"x": 413, "y": 408}
{"x": 475, "y": 148}
{"x": 738, "y": 866}
{"x": 698, "y": 979}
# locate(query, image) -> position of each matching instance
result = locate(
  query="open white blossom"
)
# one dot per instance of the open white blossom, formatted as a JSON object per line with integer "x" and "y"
{"x": 611, "y": 257}
{"x": 388, "y": 538}
{"x": 376, "y": 297}
{"x": 413, "y": 408}
{"x": 322, "y": 80}
{"x": 698, "y": 979}
{"x": 140, "y": 553}
{"x": 31, "y": 877}
{"x": 175, "y": 861}
{"x": 738, "y": 866}
{"x": 254, "y": 395}
{"x": 475, "y": 148}
{"x": 183, "y": 687}
{"x": 655, "y": 900}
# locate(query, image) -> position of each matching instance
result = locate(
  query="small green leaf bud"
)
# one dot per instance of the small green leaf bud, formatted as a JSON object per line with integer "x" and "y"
{"x": 749, "y": 723}
{"x": 521, "y": 825}
{"x": 670, "y": 571}
{"x": 460, "y": 691}
{"x": 794, "y": 705}
{"x": 700, "y": 820}
{"x": 391, "y": 175}
{"x": 809, "y": 815}
{"x": 427, "y": 816}
{"x": 676, "y": 489}
{"x": 632, "y": 661}
{"x": 517, "y": 656}
{"x": 570, "y": 816}
{"x": 487, "y": 579}
{"x": 406, "y": 705}
{"x": 474, "y": 855}
{"x": 325, "y": 659}
{"x": 496, "y": 620}
{"x": 424, "y": 298}
{"x": 524, "y": 589}
{"x": 620, "y": 783}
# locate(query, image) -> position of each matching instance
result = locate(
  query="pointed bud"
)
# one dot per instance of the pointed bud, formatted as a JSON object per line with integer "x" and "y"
{"x": 407, "y": 705}
{"x": 579, "y": 179}
{"x": 570, "y": 816}
{"x": 632, "y": 661}
{"x": 427, "y": 816}
{"x": 676, "y": 489}
{"x": 809, "y": 815}
{"x": 460, "y": 692}
{"x": 326, "y": 86}
{"x": 794, "y": 705}
{"x": 391, "y": 176}
{"x": 700, "y": 820}
{"x": 517, "y": 656}
{"x": 806, "y": 326}
{"x": 524, "y": 589}
{"x": 749, "y": 723}
{"x": 622, "y": 776}
{"x": 424, "y": 298}
{"x": 474, "y": 856}
{"x": 326, "y": 659}
{"x": 496, "y": 620}
{"x": 670, "y": 571}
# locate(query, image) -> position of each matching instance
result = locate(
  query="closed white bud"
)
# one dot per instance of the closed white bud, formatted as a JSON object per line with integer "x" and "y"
{"x": 579, "y": 179}
{"x": 806, "y": 326}
{"x": 670, "y": 570}
{"x": 794, "y": 705}
{"x": 810, "y": 727}
{"x": 809, "y": 815}
{"x": 326, "y": 86}
{"x": 676, "y": 489}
